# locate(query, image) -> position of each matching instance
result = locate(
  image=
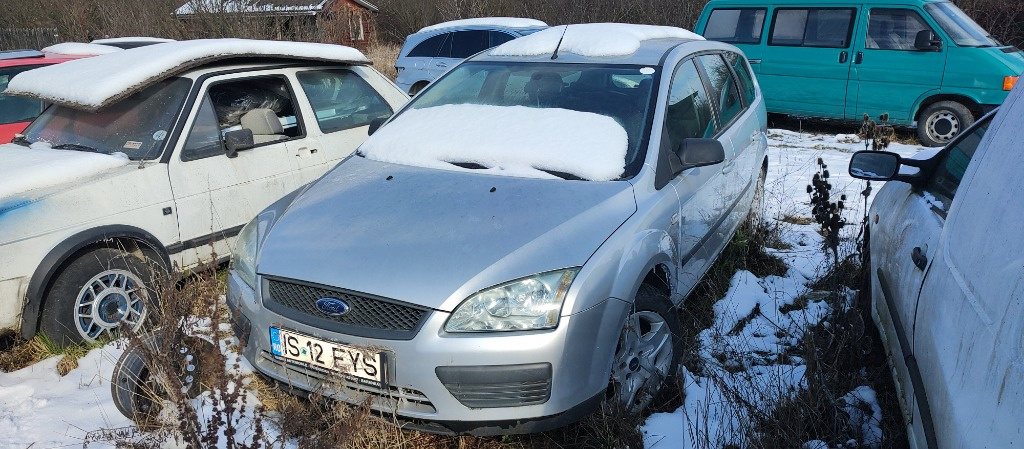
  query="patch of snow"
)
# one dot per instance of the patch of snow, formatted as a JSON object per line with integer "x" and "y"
{"x": 507, "y": 22}
{"x": 92, "y": 83}
{"x": 932, "y": 201}
{"x": 507, "y": 140}
{"x": 865, "y": 414}
{"x": 81, "y": 49}
{"x": 117, "y": 40}
{"x": 590, "y": 40}
{"x": 664, "y": 430}
{"x": 27, "y": 169}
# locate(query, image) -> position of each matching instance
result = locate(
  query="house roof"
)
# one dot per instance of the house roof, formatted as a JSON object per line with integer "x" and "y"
{"x": 291, "y": 7}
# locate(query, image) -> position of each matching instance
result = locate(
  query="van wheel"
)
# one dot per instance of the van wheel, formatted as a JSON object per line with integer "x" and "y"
{"x": 94, "y": 294}
{"x": 416, "y": 88}
{"x": 942, "y": 121}
{"x": 648, "y": 351}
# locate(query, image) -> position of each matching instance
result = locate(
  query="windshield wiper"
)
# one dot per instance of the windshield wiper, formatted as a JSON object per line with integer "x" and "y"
{"x": 21, "y": 140}
{"x": 561, "y": 174}
{"x": 77, "y": 147}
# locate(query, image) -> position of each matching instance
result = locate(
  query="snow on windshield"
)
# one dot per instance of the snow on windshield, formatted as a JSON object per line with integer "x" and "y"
{"x": 510, "y": 22}
{"x": 26, "y": 169}
{"x": 81, "y": 49}
{"x": 93, "y": 83}
{"x": 504, "y": 140}
{"x": 590, "y": 39}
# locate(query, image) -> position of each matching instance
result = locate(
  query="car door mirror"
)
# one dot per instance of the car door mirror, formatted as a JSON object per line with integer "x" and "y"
{"x": 926, "y": 40}
{"x": 699, "y": 153}
{"x": 875, "y": 165}
{"x": 375, "y": 124}
{"x": 238, "y": 140}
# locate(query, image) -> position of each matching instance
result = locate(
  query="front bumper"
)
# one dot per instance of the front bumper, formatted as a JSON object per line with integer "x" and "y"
{"x": 456, "y": 383}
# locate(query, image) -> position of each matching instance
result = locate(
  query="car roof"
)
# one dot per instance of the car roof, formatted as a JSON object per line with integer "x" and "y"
{"x": 513, "y": 23}
{"x": 93, "y": 83}
{"x": 651, "y": 52}
{"x": 17, "y": 58}
{"x": 815, "y": 2}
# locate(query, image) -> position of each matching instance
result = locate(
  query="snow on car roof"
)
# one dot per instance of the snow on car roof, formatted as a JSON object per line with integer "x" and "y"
{"x": 117, "y": 40}
{"x": 26, "y": 169}
{"x": 509, "y": 22}
{"x": 80, "y": 49}
{"x": 507, "y": 140}
{"x": 93, "y": 83}
{"x": 590, "y": 40}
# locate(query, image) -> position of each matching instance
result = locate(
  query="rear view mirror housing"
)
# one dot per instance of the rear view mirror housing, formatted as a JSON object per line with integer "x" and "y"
{"x": 885, "y": 166}
{"x": 694, "y": 153}
{"x": 238, "y": 140}
{"x": 375, "y": 124}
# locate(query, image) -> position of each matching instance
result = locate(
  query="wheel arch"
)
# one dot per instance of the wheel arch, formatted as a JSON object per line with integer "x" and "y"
{"x": 114, "y": 236}
{"x": 965, "y": 100}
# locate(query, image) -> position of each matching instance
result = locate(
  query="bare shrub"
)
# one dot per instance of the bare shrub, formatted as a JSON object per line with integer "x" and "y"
{"x": 384, "y": 55}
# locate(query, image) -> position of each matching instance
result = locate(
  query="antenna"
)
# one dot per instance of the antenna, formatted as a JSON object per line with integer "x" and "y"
{"x": 554, "y": 55}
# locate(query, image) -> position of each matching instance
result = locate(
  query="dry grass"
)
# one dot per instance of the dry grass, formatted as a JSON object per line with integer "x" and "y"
{"x": 384, "y": 55}
{"x": 17, "y": 354}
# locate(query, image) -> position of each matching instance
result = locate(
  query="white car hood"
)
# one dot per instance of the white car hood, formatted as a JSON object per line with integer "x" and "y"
{"x": 27, "y": 173}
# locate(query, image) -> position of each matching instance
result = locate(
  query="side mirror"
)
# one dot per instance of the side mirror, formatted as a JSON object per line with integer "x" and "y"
{"x": 375, "y": 124}
{"x": 875, "y": 165}
{"x": 699, "y": 153}
{"x": 926, "y": 40}
{"x": 238, "y": 140}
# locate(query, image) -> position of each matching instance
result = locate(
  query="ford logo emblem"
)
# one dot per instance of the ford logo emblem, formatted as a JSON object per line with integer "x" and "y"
{"x": 332, "y": 307}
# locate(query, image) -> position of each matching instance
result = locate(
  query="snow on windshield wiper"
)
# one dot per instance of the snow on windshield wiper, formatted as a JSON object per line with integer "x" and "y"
{"x": 21, "y": 140}
{"x": 77, "y": 147}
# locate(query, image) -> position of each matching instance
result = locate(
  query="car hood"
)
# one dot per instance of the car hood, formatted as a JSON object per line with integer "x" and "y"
{"x": 32, "y": 173}
{"x": 433, "y": 237}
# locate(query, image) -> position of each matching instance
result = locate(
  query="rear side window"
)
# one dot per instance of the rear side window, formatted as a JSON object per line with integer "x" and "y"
{"x": 746, "y": 81}
{"x": 341, "y": 99}
{"x": 736, "y": 26}
{"x": 723, "y": 88}
{"x": 468, "y": 43}
{"x": 812, "y": 27}
{"x": 429, "y": 47}
{"x": 689, "y": 111}
{"x": 498, "y": 38}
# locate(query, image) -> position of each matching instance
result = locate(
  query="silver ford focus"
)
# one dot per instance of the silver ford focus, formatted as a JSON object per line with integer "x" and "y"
{"x": 508, "y": 251}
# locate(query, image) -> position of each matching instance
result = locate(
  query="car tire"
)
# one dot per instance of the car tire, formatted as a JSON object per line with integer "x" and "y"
{"x": 942, "y": 121}
{"x": 648, "y": 351}
{"x": 416, "y": 88}
{"x": 90, "y": 297}
{"x": 138, "y": 393}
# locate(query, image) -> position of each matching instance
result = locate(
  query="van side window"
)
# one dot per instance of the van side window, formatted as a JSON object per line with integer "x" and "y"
{"x": 429, "y": 47}
{"x": 723, "y": 88}
{"x": 745, "y": 79}
{"x": 735, "y": 26}
{"x": 893, "y": 29}
{"x": 953, "y": 165}
{"x": 812, "y": 27}
{"x": 689, "y": 111}
{"x": 467, "y": 43}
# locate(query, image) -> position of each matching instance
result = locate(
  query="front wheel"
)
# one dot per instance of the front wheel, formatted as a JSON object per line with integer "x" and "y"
{"x": 648, "y": 351}
{"x": 942, "y": 121}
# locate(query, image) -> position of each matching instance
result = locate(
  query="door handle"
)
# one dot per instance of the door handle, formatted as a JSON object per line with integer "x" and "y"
{"x": 756, "y": 137}
{"x": 728, "y": 167}
{"x": 843, "y": 57}
{"x": 920, "y": 260}
{"x": 860, "y": 58}
{"x": 442, "y": 65}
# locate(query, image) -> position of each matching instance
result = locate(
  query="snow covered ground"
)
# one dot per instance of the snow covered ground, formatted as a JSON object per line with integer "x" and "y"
{"x": 40, "y": 409}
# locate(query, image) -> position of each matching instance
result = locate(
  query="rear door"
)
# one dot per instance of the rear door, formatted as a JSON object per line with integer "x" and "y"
{"x": 806, "y": 62}
{"x": 459, "y": 45}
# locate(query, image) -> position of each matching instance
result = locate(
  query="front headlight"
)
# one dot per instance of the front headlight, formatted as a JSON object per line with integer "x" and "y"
{"x": 243, "y": 258}
{"x": 530, "y": 303}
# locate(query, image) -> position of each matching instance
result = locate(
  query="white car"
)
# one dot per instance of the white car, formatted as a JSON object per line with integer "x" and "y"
{"x": 162, "y": 164}
{"x": 947, "y": 282}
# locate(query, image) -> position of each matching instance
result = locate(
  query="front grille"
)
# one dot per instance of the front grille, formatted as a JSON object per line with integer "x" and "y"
{"x": 368, "y": 316}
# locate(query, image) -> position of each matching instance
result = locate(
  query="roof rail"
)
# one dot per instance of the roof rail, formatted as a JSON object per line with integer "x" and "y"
{"x": 18, "y": 54}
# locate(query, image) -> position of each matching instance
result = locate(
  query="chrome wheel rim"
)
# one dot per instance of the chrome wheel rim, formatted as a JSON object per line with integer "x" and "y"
{"x": 942, "y": 126}
{"x": 107, "y": 300}
{"x": 642, "y": 361}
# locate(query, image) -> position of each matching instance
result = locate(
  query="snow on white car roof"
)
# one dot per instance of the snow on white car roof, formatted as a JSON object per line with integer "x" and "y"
{"x": 507, "y": 140}
{"x": 80, "y": 49}
{"x": 591, "y": 40}
{"x": 118, "y": 40}
{"x": 509, "y": 22}
{"x": 93, "y": 83}
{"x": 26, "y": 169}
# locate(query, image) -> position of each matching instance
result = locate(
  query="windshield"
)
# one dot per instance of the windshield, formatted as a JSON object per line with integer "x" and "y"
{"x": 619, "y": 92}
{"x": 136, "y": 126}
{"x": 959, "y": 26}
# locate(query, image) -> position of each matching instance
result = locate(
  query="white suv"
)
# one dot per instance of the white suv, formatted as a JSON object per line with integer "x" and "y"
{"x": 163, "y": 165}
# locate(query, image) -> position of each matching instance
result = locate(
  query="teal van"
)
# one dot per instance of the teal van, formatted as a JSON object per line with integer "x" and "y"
{"x": 924, "y": 62}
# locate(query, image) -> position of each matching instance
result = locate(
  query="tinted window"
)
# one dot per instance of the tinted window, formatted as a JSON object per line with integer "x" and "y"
{"x": 894, "y": 29}
{"x": 723, "y": 88}
{"x": 689, "y": 112}
{"x": 746, "y": 81}
{"x": 468, "y": 43}
{"x": 498, "y": 38}
{"x": 341, "y": 99}
{"x": 953, "y": 165}
{"x": 816, "y": 27}
{"x": 16, "y": 109}
{"x": 429, "y": 47}
{"x": 737, "y": 26}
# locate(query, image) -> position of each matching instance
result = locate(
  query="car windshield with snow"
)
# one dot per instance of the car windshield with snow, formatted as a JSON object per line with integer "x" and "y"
{"x": 134, "y": 172}
{"x": 504, "y": 254}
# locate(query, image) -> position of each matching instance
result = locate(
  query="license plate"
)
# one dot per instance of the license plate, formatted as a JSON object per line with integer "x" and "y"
{"x": 353, "y": 362}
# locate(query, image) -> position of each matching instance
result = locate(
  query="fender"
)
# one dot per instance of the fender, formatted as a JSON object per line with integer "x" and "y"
{"x": 945, "y": 94}
{"x": 657, "y": 248}
{"x": 61, "y": 253}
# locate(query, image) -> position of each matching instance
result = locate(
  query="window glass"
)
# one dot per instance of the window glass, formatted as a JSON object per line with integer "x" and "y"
{"x": 16, "y": 109}
{"x": 341, "y": 99}
{"x": 468, "y": 43}
{"x": 723, "y": 88}
{"x": 204, "y": 138}
{"x": 815, "y": 27}
{"x": 429, "y": 47}
{"x": 498, "y": 38}
{"x": 746, "y": 80}
{"x": 893, "y": 29}
{"x": 736, "y": 26}
{"x": 689, "y": 112}
{"x": 953, "y": 165}
{"x": 959, "y": 26}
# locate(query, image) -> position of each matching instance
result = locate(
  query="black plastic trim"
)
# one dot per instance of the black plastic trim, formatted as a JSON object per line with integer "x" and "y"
{"x": 506, "y": 427}
{"x": 496, "y": 386}
{"x": 204, "y": 240}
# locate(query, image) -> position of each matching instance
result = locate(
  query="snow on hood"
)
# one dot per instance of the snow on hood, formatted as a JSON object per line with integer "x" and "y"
{"x": 81, "y": 49}
{"x": 25, "y": 169}
{"x": 590, "y": 39}
{"x": 509, "y": 22}
{"x": 93, "y": 83}
{"x": 508, "y": 140}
